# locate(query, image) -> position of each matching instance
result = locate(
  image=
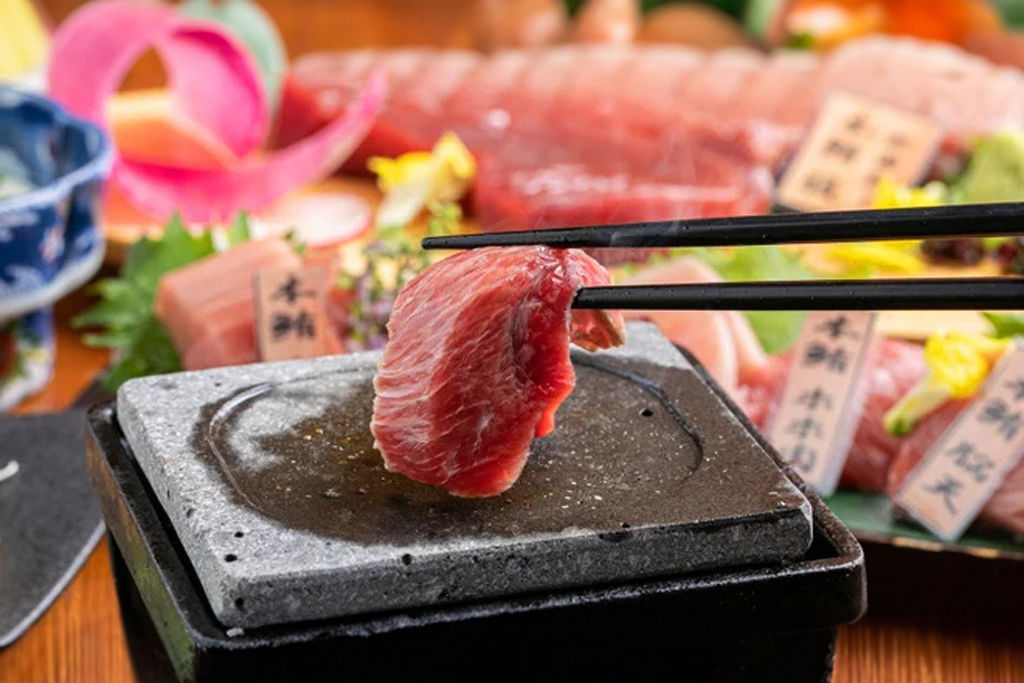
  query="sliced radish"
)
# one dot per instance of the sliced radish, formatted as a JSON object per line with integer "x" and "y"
{"x": 321, "y": 220}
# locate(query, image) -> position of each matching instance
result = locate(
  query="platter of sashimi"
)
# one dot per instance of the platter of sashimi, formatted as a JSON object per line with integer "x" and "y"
{"x": 262, "y": 208}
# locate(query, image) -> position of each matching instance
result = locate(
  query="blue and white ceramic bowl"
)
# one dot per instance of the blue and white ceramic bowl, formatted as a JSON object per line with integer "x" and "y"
{"x": 52, "y": 167}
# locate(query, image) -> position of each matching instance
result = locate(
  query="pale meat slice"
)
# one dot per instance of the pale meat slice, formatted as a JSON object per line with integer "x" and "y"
{"x": 716, "y": 88}
{"x": 706, "y": 335}
{"x": 722, "y": 341}
{"x": 477, "y": 363}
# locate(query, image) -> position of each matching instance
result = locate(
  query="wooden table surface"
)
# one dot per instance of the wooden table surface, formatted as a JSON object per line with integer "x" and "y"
{"x": 80, "y": 638}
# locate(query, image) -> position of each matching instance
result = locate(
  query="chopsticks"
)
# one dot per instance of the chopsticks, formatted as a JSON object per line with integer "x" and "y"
{"x": 966, "y": 220}
{"x": 999, "y": 294}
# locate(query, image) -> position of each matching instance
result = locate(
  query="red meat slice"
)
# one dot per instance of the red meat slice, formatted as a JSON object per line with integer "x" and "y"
{"x": 759, "y": 389}
{"x": 757, "y": 106}
{"x": 895, "y": 370}
{"x": 318, "y": 88}
{"x": 478, "y": 105}
{"x": 477, "y": 362}
{"x": 535, "y": 184}
{"x": 1005, "y": 509}
{"x": 416, "y": 115}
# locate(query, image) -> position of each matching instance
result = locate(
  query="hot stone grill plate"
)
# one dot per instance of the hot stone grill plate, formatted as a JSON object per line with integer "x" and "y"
{"x": 269, "y": 479}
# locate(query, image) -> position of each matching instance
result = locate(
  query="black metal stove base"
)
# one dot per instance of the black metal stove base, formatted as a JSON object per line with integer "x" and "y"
{"x": 523, "y": 652}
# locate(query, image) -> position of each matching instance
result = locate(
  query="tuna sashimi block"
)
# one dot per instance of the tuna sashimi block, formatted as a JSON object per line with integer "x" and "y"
{"x": 477, "y": 363}
{"x": 207, "y": 307}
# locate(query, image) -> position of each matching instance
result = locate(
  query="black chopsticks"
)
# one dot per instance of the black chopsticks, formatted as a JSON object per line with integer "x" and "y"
{"x": 963, "y": 220}
{"x": 997, "y": 294}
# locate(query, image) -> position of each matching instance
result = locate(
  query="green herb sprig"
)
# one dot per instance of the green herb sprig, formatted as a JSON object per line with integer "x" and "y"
{"x": 124, "y": 316}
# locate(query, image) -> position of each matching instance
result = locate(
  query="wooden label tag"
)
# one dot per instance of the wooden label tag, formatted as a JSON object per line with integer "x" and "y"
{"x": 815, "y": 422}
{"x": 853, "y": 143}
{"x": 291, "y": 321}
{"x": 967, "y": 464}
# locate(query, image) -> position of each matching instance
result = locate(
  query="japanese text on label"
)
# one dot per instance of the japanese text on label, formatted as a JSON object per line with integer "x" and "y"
{"x": 813, "y": 426}
{"x": 963, "y": 469}
{"x": 854, "y": 142}
{"x": 290, "y": 318}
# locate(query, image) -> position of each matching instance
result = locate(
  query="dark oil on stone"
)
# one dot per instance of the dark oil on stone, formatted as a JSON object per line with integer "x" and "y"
{"x": 617, "y": 458}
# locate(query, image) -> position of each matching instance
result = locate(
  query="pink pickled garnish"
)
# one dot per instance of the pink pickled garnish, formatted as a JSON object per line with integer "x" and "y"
{"x": 214, "y": 83}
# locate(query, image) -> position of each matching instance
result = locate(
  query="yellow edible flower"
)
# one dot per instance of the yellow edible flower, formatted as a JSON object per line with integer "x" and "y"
{"x": 890, "y": 256}
{"x": 961, "y": 362}
{"x": 392, "y": 173}
{"x": 958, "y": 365}
{"x": 894, "y": 257}
{"x": 23, "y": 39}
{"x": 416, "y": 179}
{"x": 889, "y": 195}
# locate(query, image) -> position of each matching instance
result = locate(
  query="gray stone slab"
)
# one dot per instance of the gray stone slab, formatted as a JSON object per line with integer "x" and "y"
{"x": 269, "y": 479}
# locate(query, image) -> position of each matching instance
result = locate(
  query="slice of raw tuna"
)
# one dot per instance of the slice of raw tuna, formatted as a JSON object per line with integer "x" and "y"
{"x": 185, "y": 295}
{"x": 706, "y": 335}
{"x": 896, "y": 368}
{"x": 535, "y": 183}
{"x": 477, "y": 362}
{"x": 1005, "y": 509}
{"x": 759, "y": 389}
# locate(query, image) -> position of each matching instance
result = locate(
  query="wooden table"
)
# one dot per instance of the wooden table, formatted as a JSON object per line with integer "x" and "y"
{"x": 80, "y": 639}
